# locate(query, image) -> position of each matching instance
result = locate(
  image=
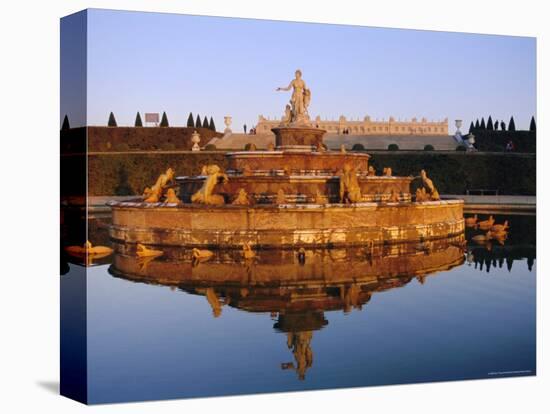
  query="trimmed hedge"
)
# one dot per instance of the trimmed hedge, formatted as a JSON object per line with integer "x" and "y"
{"x": 452, "y": 173}
{"x": 133, "y": 172}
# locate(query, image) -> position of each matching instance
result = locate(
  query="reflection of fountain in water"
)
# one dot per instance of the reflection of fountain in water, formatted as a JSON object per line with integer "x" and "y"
{"x": 296, "y": 288}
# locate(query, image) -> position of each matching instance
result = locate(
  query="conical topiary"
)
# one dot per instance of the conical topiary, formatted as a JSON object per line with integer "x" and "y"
{"x": 511, "y": 124}
{"x": 164, "y": 120}
{"x": 198, "y": 123}
{"x": 138, "y": 122}
{"x": 190, "y": 121}
{"x": 65, "y": 124}
{"x": 112, "y": 120}
{"x": 212, "y": 126}
{"x": 533, "y": 125}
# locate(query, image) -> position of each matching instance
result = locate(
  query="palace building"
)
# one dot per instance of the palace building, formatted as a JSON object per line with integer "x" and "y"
{"x": 367, "y": 126}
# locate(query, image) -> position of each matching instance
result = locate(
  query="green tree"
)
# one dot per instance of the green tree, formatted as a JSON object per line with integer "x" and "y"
{"x": 482, "y": 124}
{"x": 429, "y": 147}
{"x": 65, "y": 124}
{"x": 190, "y": 121}
{"x": 477, "y": 124}
{"x": 164, "y": 120}
{"x": 210, "y": 147}
{"x": 212, "y": 126}
{"x": 502, "y": 126}
{"x": 461, "y": 148}
{"x": 496, "y": 125}
{"x": 358, "y": 147}
{"x": 393, "y": 147}
{"x": 198, "y": 123}
{"x": 205, "y": 122}
{"x": 533, "y": 125}
{"x": 511, "y": 124}
{"x": 490, "y": 123}
{"x": 471, "y": 127}
{"x": 138, "y": 122}
{"x": 112, "y": 120}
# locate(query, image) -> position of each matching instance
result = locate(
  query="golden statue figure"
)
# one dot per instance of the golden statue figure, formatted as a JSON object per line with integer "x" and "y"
{"x": 299, "y": 101}
{"x": 156, "y": 192}
{"x": 171, "y": 197}
{"x": 204, "y": 195}
{"x": 350, "y": 192}
{"x": 371, "y": 171}
{"x": 143, "y": 251}
{"x": 429, "y": 186}
{"x": 241, "y": 199}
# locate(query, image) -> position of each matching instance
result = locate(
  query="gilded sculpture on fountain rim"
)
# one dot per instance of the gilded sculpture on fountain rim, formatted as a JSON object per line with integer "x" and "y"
{"x": 155, "y": 193}
{"x": 241, "y": 199}
{"x": 204, "y": 196}
{"x": 427, "y": 191}
{"x": 350, "y": 192}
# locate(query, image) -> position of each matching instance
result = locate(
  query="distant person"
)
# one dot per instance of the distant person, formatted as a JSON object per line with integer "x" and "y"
{"x": 244, "y": 126}
{"x": 510, "y": 146}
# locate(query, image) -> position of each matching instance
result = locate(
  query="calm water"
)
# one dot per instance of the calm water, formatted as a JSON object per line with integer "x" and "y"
{"x": 340, "y": 318}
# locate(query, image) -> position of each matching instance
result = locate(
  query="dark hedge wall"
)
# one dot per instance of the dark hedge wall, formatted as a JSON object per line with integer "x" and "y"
{"x": 452, "y": 173}
{"x": 130, "y": 173}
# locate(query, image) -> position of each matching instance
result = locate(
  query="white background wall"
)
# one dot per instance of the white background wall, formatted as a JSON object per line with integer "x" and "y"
{"x": 29, "y": 292}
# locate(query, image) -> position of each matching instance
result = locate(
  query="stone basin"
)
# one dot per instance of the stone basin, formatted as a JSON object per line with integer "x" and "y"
{"x": 285, "y": 225}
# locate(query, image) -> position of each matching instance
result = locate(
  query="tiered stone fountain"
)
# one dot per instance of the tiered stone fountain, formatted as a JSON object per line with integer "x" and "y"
{"x": 295, "y": 194}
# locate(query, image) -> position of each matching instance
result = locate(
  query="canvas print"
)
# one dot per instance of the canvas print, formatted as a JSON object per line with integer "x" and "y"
{"x": 254, "y": 206}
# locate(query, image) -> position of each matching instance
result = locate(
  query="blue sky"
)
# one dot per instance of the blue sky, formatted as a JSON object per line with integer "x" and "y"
{"x": 154, "y": 62}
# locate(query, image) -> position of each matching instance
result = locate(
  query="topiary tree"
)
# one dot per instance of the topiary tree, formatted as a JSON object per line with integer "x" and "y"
{"x": 461, "y": 148}
{"x": 502, "y": 126}
{"x": 496, "y": 125}
{"x": 477, "y": 124}
{"x": 358, "y": 147}
{"x": 205, "y": 122}
{"x": 482, "y": 124}
{"x": 190, "y": 121}
{"x": 250, "y": 147}
{"x": 212, "y": 126}
{"x": 490, "y": 123}
{"x": 198, "y": 123}
{"x": 210, "y": 147}
{"x": 429, "y": 147}
{"x": 393, "y": 147}
{"x": 471, "y": 127}
{"x": 112, "y": 121}
{"x": 65, "y": 124}
{"x": 532, "y": 125}
{"x": 511, "y": 124}
{"x": 164, "y": 120}
{"x": 138, "y": 122}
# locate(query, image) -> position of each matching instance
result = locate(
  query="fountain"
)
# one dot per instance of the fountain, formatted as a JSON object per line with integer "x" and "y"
{"x": 297, "y": 193}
